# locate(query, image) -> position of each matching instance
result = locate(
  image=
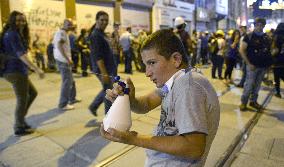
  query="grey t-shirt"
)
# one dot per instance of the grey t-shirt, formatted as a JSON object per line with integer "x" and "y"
{"x": 191, "y": 106}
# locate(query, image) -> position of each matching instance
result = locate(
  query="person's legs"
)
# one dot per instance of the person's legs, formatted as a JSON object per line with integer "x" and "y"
{"x": 100, "y": 98}
{"x": 220, "y": 63}
{"x": 24, "y": 96}
{"x": 84, "y": 64}
{"x": 32, "y": 94}
{"x": 244, "y": 74}
{"x": 259, "y": 75}
{"x": 227, "y": 62}
{"x": 214, "y": 66}
{"x": 75, "y": 59}
{"x": 66, "y": 85}
{"x": 42, "y": 62}
{"x": 276, "y": 73}
{"x": 128, "y": 60}
{"x": 250, "y": 80}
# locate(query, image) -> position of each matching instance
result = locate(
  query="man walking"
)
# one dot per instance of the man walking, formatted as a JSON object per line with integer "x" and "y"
{"x": 102, "y": 60}
{"x": 62, "y": 55}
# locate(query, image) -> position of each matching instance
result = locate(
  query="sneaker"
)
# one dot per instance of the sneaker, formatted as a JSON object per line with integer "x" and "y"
{"x": 27, "y": 126}
{"x": 77, "y": 100}
{"x": 255, "y": 105}
{"x": 22, "y": 131}
{"x": 277, "y": 95}
{"x": 84, "y": 74}
{"x": 93, "y": 112}
{"x": 68, "y": 107}
{"x": 243, "y": 107}
{"x": 240, "y": 85}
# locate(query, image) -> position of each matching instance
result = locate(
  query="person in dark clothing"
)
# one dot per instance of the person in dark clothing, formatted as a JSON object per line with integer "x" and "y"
{"x": 115, "y": 43}
{"x": 255, "y": 50}
{"x": 74, "y": 50}
{"x": 183, "y": 35}
{"x": 204, "y": 47}
{"x": 232, "y": 55}
{"x": 102, "y": 60}
{"x": 84, "y": 51}
{"x": 51, "y": 64}
{"x": 38, "y": 53}
{"x": 15, "y": 40}
{"x": 243, "y": 31}
{"x": 278, "y": 55}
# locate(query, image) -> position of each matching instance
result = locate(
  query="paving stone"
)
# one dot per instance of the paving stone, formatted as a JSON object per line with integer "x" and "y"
{"x": 244, "y": 160}
{"x": 277, "y": 151}
{"x": 135, "y": 158}
{"x": 26, "y": 154}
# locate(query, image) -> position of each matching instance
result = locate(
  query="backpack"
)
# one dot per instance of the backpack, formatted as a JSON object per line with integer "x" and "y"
{"x": 214, "y": 48}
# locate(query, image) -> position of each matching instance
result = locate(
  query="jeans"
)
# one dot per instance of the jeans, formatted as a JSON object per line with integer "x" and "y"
{"x": 244, "y": 75}
{"x": 68, "y": 88}
{"x": 128, "y": 60}
{"x": 25, "y": 93}
{"x": 100, "y": 98}
{"x": 252, "y": 84}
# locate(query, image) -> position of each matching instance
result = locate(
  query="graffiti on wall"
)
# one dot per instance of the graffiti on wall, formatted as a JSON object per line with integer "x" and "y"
{"x": 44, "y": 17}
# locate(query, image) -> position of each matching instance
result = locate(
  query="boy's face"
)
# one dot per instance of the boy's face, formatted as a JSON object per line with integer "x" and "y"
{"x": 158, "y": 68}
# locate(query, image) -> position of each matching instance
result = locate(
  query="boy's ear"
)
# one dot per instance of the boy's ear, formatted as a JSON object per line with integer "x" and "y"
{"x": 177, "y": 59}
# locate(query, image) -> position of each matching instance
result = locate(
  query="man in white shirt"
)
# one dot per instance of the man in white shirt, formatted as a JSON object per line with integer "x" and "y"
{"x": 62, "y": 55}
{"x": 190, "y": 109}
{"x": 125, "y": 42}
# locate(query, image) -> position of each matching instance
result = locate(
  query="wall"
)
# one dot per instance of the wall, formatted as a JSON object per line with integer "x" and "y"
{"x": 44, "y": 17}
{"x": 137, "y": 18}
{"x": 163, "y": 17}
{"x": 86, "y": 15}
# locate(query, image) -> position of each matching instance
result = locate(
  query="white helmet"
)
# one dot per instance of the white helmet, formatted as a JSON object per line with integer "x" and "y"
{"x": 179, "y": 21}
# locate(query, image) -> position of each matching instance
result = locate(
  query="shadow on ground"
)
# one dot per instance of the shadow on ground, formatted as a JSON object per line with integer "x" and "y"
{"x": 86, "y": 149}
{"x": 35, "y": 121}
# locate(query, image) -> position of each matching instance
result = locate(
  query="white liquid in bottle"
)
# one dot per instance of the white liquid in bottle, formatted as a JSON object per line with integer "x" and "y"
{"x": 119, "y": 114}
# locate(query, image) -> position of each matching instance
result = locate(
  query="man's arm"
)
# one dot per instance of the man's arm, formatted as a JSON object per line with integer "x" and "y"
{"x": 243, "y": 53}
{"x": 189, "y": 146}
{"x": 104, "y": 73}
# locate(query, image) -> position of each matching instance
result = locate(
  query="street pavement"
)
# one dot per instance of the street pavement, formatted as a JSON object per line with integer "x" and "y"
{"x": 72, "y": 139}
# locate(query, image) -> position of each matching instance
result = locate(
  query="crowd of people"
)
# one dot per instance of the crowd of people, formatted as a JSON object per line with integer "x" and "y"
{"x": 168, "y": 57}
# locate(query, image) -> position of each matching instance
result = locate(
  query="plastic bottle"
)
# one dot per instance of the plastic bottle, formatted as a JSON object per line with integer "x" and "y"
{"x": 119, "y": 114}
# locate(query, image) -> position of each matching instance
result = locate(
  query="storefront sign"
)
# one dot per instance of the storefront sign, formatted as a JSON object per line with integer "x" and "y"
{"x": 222, "y": 7}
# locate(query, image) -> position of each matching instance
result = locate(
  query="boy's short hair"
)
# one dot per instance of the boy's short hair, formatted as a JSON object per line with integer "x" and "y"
{"x": 165, "y": 42}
